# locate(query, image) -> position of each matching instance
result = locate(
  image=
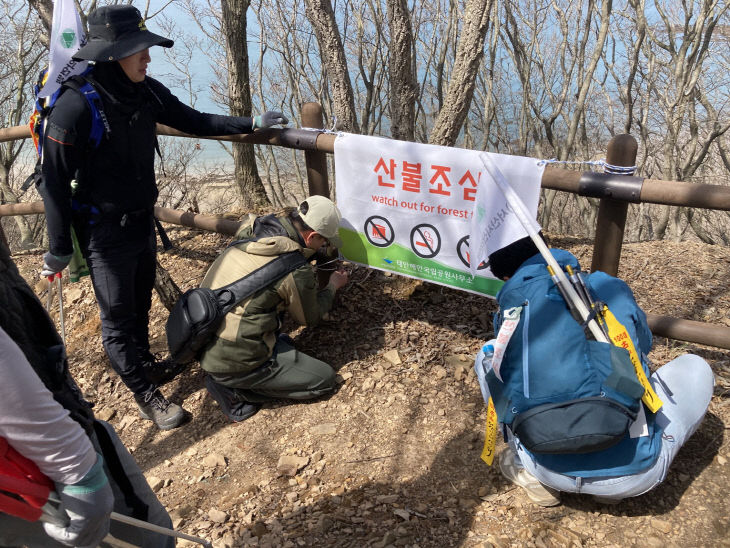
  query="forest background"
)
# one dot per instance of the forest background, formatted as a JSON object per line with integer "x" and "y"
{"x": 551, "y": 79}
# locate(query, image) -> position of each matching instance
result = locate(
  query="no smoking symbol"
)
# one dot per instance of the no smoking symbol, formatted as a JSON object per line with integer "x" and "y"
{"x": 425, "y": 241}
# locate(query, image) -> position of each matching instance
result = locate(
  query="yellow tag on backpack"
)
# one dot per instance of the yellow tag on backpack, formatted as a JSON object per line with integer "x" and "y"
{"x": 490, "y": 436}
{"x": 620, "y": 337}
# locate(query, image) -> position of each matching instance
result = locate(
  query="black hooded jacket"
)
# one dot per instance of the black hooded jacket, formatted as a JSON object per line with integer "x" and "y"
{"x": 117, "y": 177}
{"x": 25, "y": 320}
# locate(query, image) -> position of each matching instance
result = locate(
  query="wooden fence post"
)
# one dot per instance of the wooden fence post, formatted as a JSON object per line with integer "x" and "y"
{"x": 316, "y": 161}
{"x": 611, "y": 220}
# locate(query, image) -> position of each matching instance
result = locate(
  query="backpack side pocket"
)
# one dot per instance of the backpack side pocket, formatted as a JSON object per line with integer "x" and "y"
{"x": 577, "y": 426}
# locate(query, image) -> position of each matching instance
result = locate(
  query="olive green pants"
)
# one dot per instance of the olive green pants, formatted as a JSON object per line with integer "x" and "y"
{"x": 289, "y": 375}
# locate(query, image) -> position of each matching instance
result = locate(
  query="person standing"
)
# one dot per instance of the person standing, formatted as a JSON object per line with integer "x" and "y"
{"x": 111, "y": 208}
{"x": 249, "y": 361}
{"x": 44, "y": 418}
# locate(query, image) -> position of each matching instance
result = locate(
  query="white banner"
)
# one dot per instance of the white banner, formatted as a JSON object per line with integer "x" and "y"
{"x": 410, "y": 208}
{"x": 67, "y": 37}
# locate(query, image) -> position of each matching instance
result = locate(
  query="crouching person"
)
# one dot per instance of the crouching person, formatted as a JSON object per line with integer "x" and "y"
{"x": 580, "y": 415}
{"x": 249, "y": 361}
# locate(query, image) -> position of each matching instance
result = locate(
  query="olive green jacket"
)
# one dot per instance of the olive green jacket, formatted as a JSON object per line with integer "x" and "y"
{"x": 248, "y": 333}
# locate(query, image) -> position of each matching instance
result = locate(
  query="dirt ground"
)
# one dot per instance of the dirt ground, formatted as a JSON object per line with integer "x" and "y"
{"x": 392, "y": 458}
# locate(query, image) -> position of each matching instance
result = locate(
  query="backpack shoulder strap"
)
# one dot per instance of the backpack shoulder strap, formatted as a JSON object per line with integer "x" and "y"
{"x": 272, "y": 271}
{"x": 84, "y": 84}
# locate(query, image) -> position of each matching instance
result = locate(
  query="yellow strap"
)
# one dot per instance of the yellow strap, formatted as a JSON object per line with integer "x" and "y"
{"x": 620, "y": 337}
{"x": 490, "y": 436}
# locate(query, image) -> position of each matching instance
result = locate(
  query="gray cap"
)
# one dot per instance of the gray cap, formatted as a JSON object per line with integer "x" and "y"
{"x": 322, "y": 216}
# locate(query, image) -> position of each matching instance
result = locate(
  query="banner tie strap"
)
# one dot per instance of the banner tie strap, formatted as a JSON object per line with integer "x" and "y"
{"x": 608, "y": 168}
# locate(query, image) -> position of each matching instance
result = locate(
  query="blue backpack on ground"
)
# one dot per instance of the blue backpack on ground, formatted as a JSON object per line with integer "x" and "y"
{"x": 556, "y": 390}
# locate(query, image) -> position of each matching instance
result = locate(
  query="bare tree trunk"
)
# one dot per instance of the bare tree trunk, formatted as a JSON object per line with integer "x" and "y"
{"x": 44, "y": 9}
{"x": 250, "y": 187}
{"x": 322, "y": 18}
{"x": 587, "y": 78}
{"x": 403, "y": 87}
{"x": 469, "y": 53}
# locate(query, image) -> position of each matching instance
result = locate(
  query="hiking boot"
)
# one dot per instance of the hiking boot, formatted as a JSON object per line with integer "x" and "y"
{"x": 157, "y": 408}
{"x": 232, "y": 407}
{"x": 513, "y": 470}
{"x": 160, "y": 372}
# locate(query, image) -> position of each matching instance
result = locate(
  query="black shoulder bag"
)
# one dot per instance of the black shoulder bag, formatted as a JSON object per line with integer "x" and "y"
{"x": 198, "y": 313}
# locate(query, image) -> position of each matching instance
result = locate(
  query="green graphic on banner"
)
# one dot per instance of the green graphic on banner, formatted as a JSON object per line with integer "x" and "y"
{"x": 401, "y": 260}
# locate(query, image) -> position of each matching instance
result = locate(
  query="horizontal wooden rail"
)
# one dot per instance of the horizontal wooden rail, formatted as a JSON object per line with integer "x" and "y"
{"x": 689, "y": 331}
{"x": 662, "y": 326}
{"x": 196, "y": 220}
{"x": 654, "y": 191}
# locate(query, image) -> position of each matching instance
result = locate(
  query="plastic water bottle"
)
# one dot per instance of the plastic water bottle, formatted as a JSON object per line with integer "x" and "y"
{"x": 482, "y": 365}
{"x": 484, "y": 357}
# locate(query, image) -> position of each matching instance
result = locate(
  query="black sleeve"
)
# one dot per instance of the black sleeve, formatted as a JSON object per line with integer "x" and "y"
{"x": 64, "y": 148}
{"x": 184, "y": 118}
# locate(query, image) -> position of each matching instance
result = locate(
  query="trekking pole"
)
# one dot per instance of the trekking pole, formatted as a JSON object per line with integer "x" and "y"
{"x": 141, "y": 524}
{"x": 529, "y": 225}
{"x": 157, "y": 529}
{"x": 27, "y": 493}
{"x": 580, "y": 287}
{"x": 573, "y": 310}
{"x": 52, "y": 514}
{"x": 59, "y": 289}
{"x": 49, "y": 298}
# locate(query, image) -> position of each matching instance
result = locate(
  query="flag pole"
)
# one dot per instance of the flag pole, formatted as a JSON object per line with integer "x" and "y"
{"x": 530, "y": 226}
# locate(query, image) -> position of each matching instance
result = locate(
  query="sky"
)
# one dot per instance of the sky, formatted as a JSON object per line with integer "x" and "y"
{"x": 160, "y": 68}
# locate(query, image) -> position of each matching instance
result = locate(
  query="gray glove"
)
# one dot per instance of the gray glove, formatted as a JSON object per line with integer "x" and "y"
{"x": 270, "y": 118}
{"x": 53, "y": 263}
{"x": 88, "y": 504}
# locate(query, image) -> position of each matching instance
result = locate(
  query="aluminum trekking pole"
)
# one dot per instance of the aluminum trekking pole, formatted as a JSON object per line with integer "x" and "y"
{"x": 141, "y": 524}
{"x": 529, "y": 225}
{"x": 49, "y": 300}
{"x": 51, "y": 514}
{"x": 27, "y": 493}
{"x": 582, "y": 290}
{"x": 59, "y": 289}
{"x": 573, "y": 310}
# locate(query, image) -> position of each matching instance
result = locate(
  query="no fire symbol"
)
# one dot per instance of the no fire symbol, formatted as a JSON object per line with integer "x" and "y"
{"x": 379, "y": 231}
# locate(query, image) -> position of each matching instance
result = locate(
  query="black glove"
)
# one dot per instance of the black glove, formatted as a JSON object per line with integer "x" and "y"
{"x": 53, "y": 263}
{"x": 270, "y": 118}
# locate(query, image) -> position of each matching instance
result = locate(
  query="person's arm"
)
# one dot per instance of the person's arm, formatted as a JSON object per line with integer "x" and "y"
{"x": 41, "y": 430}
{"x": 305, "y": 303}
{"x": 35, "y": 424}
{"x": 64, "y": 147}
{"x": 178, "y": 115}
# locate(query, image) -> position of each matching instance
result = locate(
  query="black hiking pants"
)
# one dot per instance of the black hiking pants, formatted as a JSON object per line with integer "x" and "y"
{"x": 121, "y": 256}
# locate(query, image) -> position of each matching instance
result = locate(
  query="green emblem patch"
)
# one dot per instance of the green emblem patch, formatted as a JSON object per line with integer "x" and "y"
{"x": 67, "y": 38}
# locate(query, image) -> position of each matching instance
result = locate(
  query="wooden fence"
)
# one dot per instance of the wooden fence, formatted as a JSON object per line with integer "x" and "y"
{"x": 614, "y": 191}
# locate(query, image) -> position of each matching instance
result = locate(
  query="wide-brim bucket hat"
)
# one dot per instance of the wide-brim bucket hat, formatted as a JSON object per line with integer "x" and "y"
{"x": 116, "y": 32}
